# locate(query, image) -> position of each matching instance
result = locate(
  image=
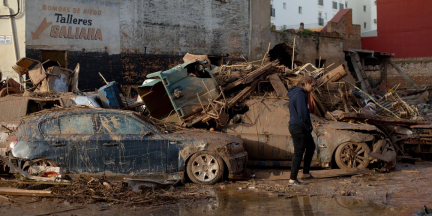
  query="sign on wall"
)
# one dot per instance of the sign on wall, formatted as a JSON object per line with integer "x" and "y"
{"x": 73, "y": 25}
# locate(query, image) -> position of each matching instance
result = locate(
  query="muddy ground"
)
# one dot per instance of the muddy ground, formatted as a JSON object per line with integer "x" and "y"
{"x": 402, "y": 191}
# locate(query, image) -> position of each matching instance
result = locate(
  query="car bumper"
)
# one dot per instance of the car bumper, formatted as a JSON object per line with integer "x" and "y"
{"x": 238, "y": 165}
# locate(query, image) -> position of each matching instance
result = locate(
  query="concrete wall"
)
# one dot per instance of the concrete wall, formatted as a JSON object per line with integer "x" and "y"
{"x": 260, "y": 34}
{"x": 14, "y": 28}
{"x": 91, "y": 26}
{"x": 311, "y": 47}
{"x": 146, "y": 36}
{"x": 176, "y": 27}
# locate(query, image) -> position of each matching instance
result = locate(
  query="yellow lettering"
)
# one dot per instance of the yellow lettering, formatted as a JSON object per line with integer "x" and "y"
{"x": 83, "y": 34}
{"x": 99, "y": 34}
{"x": 63, "y": 32}
{"x": 77, "y": 32}
{"x": 91, "y": 34}
{"x": 70, "y": 35}
{"x": 55, "y": 31}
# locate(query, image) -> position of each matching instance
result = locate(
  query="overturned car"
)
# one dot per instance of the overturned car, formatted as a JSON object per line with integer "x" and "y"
{"x": 122, "y": 143}
{"x": 264, "y": 130}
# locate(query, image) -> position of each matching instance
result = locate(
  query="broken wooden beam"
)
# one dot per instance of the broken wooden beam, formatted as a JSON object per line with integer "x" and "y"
{"x": 278, "y": 85}
{"x": 22, "y": 192}
{"x": 252, "y": 75}
{"x": 379, "y": 119}
{"x": 403, "y": 75}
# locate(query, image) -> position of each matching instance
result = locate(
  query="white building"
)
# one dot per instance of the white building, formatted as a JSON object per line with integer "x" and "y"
{"x": 288, "y": 14}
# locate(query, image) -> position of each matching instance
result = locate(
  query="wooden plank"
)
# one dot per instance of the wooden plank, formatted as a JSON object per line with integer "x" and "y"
{"x": 251, "y": 76}
{"x": 22, "y": 192}
{"x": 359, "y": 72}
{"x": 285, "y": 174}
{"x": 380, "y": 120}
{"x": 403, "y": 75}
{"x": 278, "y": 85}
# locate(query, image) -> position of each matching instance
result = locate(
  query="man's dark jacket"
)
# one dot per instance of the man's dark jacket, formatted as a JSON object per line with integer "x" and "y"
{"x": 299, "y": 108}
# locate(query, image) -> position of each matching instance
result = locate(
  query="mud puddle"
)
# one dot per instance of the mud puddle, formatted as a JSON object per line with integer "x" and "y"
{"x": 229, "y": 201}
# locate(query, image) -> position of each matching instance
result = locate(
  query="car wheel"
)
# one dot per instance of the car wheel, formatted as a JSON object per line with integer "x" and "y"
{"x": 352, "y": 155}
{"x": 205, "y": 168}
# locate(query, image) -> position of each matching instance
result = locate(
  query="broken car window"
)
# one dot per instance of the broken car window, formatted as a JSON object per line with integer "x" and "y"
{"x": 120, "y": 124}
{"x": 50, "y": 127}
{"x": 76, "y": 124}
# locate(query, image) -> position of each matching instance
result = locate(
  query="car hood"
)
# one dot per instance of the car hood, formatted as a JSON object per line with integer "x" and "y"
{"x": 348, "y": 126}
{"x": 212, "y": 140}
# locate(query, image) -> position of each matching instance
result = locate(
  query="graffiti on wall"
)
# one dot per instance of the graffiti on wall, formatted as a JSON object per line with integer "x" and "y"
{"x": 74, "y": 24}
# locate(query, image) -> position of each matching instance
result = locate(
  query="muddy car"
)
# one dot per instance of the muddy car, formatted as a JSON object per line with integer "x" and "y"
{"x": 264, "y": 130}
{"x": 14, "y": 107}
{"x": 120, "y": 143}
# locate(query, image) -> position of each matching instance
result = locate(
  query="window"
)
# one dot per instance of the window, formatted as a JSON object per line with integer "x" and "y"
{"x": 76, "y": 124}
{"x": 120, "y": 124}
{"x": 364, "y": 8}
{"x": 326, "y": 15}
{"x": 320, "y": 19}
{"x": 284, "y": 5}
{"x": 300, "y": 10}
{"x": 364, "y": 24}
{"x": 335, "y": 5}
{"x": 346, "y": 4}
{"x": 50, "y": 127}
{"x": 375, "y": 20}
{"x": 272, "y": 11}
{"x": 341, "y": 6}
{"x": 321, "y": 2}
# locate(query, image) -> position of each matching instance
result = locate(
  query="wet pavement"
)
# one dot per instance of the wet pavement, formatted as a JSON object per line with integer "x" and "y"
{"x": 403, "y": 191}
{"x": 229, "y": 201}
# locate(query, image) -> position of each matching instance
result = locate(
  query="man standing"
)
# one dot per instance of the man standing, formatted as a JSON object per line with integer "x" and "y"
{"x": 300, "y": 128}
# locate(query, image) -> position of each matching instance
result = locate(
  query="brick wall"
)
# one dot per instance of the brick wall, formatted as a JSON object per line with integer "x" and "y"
{"x": 417, "y": 69}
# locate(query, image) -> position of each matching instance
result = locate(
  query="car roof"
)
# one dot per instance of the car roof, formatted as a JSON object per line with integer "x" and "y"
{"x": 48, "y": 113}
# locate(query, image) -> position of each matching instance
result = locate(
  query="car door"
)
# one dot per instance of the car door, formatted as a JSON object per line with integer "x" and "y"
{"x": 51, "y": 132}
{"x": 77, "y": 132}
{"x": 130, "y": 145}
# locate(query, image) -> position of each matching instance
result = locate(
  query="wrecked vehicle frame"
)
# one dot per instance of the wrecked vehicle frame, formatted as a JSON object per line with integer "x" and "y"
{"x": 121, "y": 143}
{"x": 264, "y": 130}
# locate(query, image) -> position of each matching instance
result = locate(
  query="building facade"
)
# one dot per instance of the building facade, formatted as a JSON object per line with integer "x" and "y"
{"x": 122, "y": 39}
{"x": 288, "y": 14}
{"x": 404, "y": 28}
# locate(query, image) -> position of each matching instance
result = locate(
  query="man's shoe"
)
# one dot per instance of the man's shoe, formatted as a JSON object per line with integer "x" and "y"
{"x": 296, "y": 182}
{"x": 309, "y": 177}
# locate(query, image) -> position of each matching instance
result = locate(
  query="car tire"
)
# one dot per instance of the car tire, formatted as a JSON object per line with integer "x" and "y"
{"x": 205, "y": 168}
{"x": 351, "y": 155}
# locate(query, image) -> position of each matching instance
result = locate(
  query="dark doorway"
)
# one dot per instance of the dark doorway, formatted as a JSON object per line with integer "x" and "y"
{"x": 320, "y": 63}
{"x": 54, "y": 55}
{"x": 281, "y": 52}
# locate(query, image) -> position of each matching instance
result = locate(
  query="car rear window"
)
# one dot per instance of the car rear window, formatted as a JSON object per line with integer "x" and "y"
{"x": 76, "y": 124}
{"x": 120, "y": 124}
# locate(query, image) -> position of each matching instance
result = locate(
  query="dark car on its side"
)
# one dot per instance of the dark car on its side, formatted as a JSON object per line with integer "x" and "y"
{"x": 121, "y": 143}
